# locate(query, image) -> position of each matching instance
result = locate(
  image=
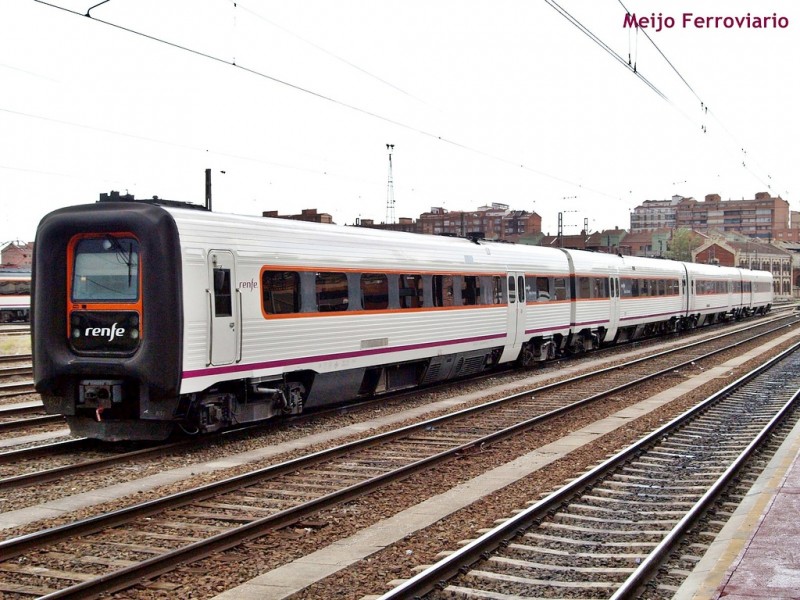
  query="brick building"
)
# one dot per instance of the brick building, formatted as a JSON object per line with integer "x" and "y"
{"x": 753, "y": 254}
{"x": 763, "y": 217}
{"x": 16, "y": 255}
{"x": 307, "y": 214}
{"x": 655, "y": 214}
{"x": 495, "y": 222}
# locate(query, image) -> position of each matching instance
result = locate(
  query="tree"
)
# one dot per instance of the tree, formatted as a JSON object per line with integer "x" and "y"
{"x": 682, "y": 243}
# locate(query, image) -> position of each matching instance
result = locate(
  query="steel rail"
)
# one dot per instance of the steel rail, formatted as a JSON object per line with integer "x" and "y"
{"x": 30, "y": 422}
{"x": 16, "y": 546}
{"x": 127, "y": 576}
{"x": 462, "y": 559}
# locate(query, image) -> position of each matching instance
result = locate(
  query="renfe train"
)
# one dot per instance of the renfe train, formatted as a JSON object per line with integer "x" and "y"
{"x": 149, "y": 317}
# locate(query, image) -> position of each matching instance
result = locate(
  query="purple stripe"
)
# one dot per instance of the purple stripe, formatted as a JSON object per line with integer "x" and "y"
{"x": 337, "y": 356}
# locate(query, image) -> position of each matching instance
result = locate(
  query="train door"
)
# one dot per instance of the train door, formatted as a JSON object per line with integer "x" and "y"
{"x": 685, "y": 291}
{"x": 225, "y": 317}
{"x": 515, "y": 322}
{"x": 613, "y": 308}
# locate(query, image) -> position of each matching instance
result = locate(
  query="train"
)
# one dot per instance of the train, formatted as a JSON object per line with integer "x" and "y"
{"x": 15, "y": 296}
{"x": 150, "y": 319}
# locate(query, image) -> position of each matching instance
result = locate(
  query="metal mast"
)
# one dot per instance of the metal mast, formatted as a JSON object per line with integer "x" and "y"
{"x": 390, "y": 189}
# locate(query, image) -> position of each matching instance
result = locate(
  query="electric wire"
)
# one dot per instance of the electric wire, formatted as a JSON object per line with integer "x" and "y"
{"x": 586, "y": 31}
{"x": 327, "y": 98}
{"x": 703, "y": 106}
{"x": 350, "y": 64}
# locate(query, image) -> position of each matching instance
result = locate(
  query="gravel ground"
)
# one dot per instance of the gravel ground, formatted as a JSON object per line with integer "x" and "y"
{"x": 209, "y": 577}
{"x": 206, "y": 578}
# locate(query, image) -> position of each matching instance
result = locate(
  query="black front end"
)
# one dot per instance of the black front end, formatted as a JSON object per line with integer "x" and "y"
{"x": 107, "y": 319}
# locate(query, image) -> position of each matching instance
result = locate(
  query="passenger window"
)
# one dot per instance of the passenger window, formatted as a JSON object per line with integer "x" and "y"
{"x": 331, "y": 289}
{"x": 280, "y": 292}
{"x": 584, "y": 287}
{"x": 442, "y": 290}
{"x": 521, "y": 287}
{"x": 498, "y": 293}
{"x": 542, "y": 289}
{"x": 530, "y": 288}
{"x": 411, "y": 291}
{"x": 374, "y": 291}
{"x": 223, "y": 307}
{"x": 470, "y": 290}
{"x": 561, "y": 288}
{"x": 512, "y": 290}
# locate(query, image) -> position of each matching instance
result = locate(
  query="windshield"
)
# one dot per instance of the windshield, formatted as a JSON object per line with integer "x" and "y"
{"x": 106, "y": 269}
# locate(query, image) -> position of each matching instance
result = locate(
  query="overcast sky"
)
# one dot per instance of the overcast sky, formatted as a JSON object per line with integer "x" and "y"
{"x": 291, "y": 104}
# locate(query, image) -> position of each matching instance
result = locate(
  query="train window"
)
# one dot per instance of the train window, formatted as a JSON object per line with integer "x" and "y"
{"x": 470, "y": 290}
{"x": 442, "y": 290}
{"x": 512, "y": 290}
{"x": 106, "y": 269}
{"x": 600, "y": 287}
{"x": 411, "y": 291}
{"x": 542, "y": 289}
{"x": 223, "y": 307}
{"x": 374, "y": 291}
{"x": 625, "y": 288}
{"x": 662, "y": 287}
{"x": 561, "y": 292}
{"x": 332, "y": 292}
{"x": 521, "y": 286}
{"x": 15, "y": 288}
{"x": 497, "y": 290}
{"x": 584, "y": 287}
{"x": 280, "y": 292}
{"x": 530, "y": 288}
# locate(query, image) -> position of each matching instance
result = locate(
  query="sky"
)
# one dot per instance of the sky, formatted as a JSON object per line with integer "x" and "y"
{"x": 292, "y": 104}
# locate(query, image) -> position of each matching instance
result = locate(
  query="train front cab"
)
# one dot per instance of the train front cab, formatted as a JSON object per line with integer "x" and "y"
{"x": 107, "y": 320}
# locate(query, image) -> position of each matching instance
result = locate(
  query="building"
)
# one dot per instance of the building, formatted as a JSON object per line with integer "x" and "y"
{"x": 16, "y": 255}
{"x": 495, "y": 222}
{"x": 307, "y": 214}
{"x": 750, "y": 254}
{"x": 403, "y": 224}
{"x": 655, "y": 214}
{"x": 610, "y": 241}
{"x": 763, "y": 217}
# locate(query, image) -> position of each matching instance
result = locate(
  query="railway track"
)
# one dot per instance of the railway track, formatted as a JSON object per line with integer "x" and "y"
{"x": 17, "y": 388}
{"x": 7, "y": 358}
{"x": 150, "y": 538}
{"x": 608, "y": 533}
{"x": 27, "y": 464}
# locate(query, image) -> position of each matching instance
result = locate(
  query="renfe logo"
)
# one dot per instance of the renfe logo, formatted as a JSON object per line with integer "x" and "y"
{"x": 109, "y": 332}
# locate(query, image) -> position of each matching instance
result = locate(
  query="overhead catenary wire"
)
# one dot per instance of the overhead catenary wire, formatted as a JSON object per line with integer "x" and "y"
{"x": 238, "y": 4}
{"x": 328, "y": 98}
{"x": 703, "y": 105}
{"x": 586, "y": 31}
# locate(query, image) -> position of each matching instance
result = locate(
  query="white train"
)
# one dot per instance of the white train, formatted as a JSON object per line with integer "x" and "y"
{"x": 15, "y": 296}
{"x": 147, "y": 317}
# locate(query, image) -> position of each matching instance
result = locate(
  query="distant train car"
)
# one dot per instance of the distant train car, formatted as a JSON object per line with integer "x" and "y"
{"x": 148, "y": 318}
{"x": 15, "y": 296}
